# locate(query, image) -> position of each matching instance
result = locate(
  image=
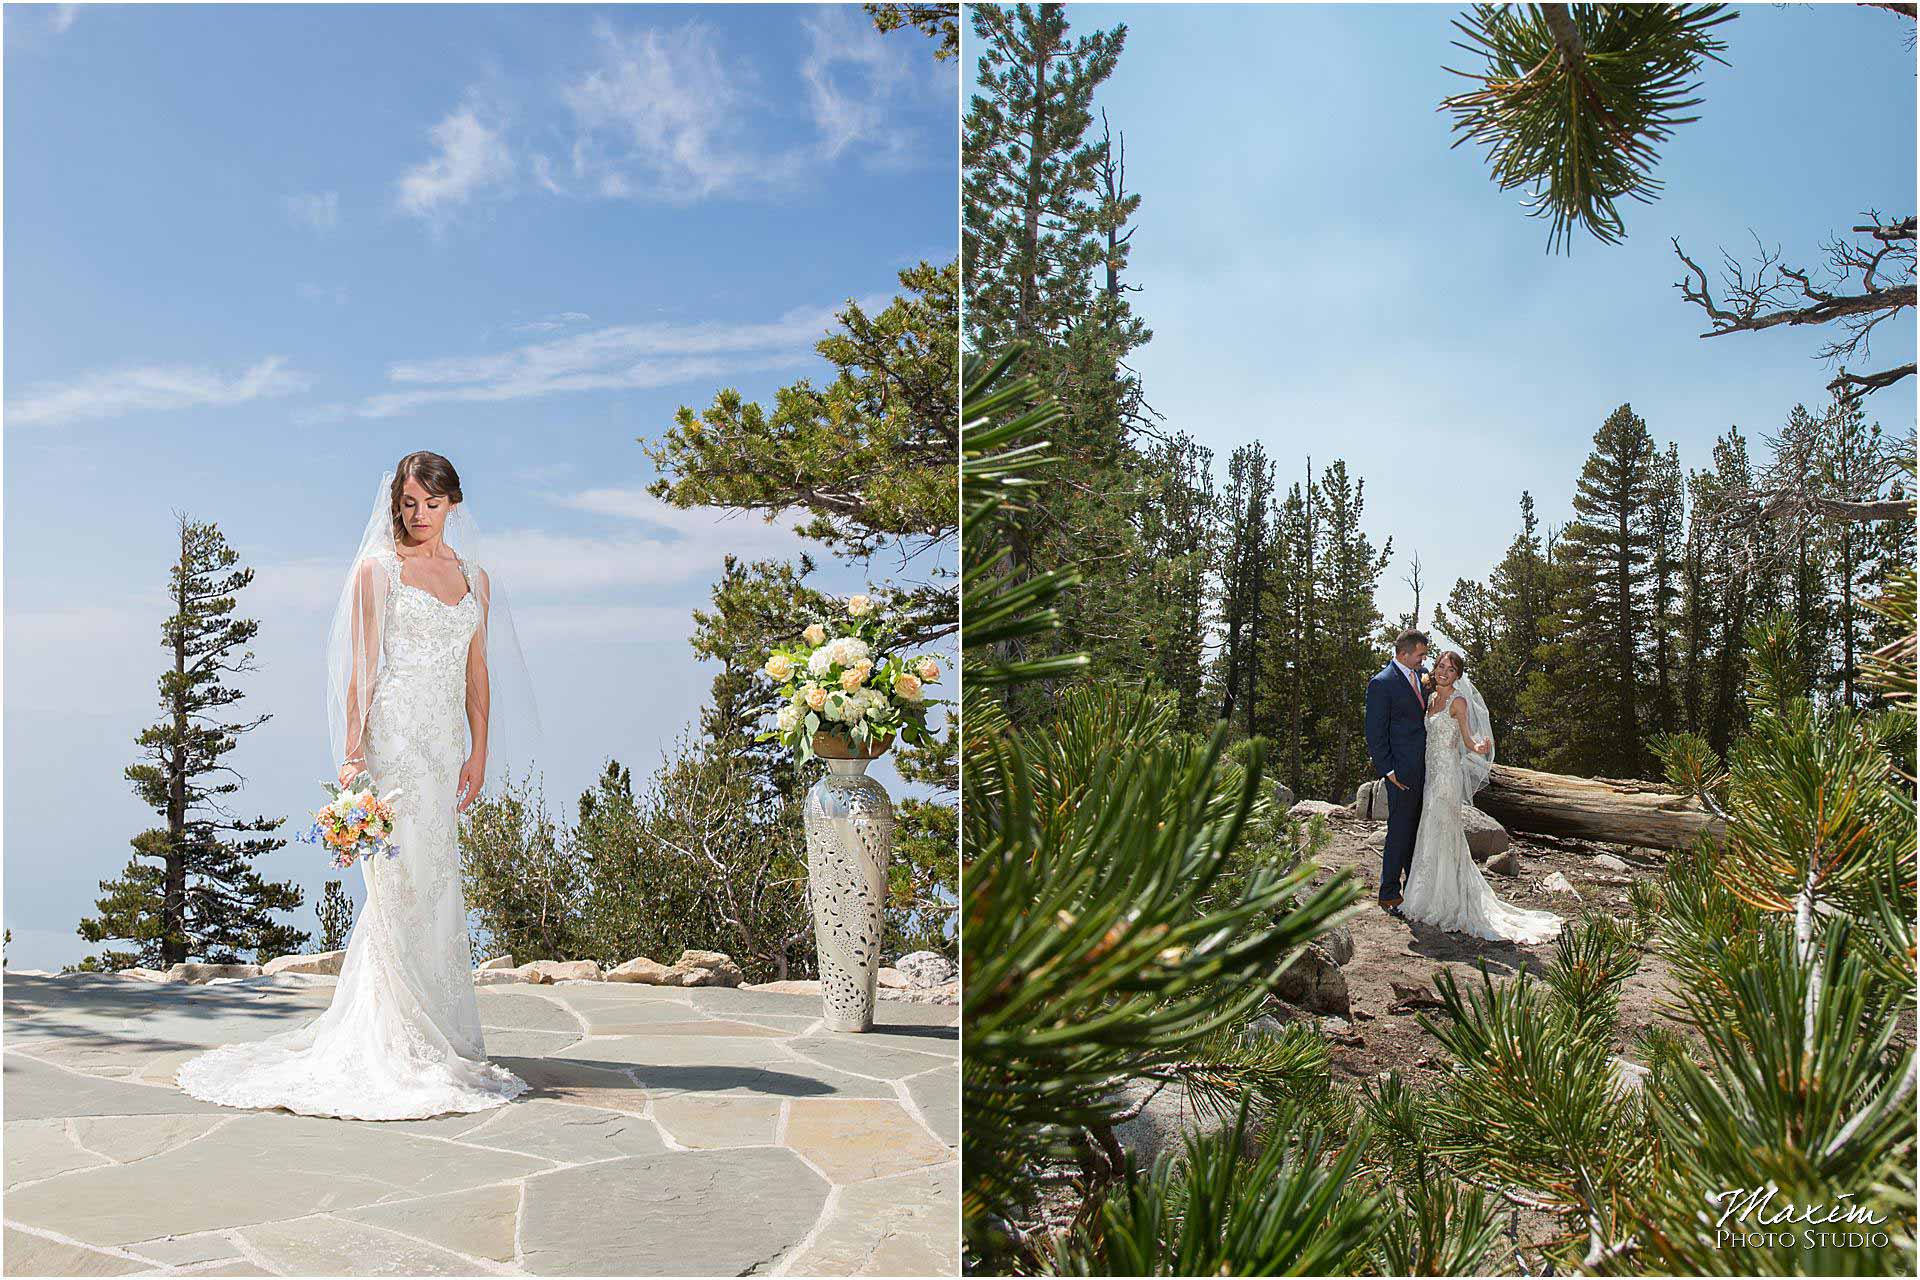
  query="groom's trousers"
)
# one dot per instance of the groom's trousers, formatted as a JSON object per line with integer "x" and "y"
{"x": 1403, "y": 823}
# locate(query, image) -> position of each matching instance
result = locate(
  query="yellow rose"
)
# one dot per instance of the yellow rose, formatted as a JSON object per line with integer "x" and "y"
{"x": 779, "y": 666}
{"x": 853, "y": 677}
{"x": 907, "y": 685}
{"x": 859, "y": 606}
{"x": 815, "y": 635}
{"x": 816, "y": 696}
{"x": 929, "y": 670}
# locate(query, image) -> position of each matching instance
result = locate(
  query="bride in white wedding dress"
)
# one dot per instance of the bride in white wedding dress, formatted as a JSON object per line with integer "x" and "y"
{"x": 1444, "y": 887}
{"x": 421, "y": 658}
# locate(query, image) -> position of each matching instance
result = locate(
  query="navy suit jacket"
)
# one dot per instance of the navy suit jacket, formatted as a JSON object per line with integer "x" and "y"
{"x": 1396, "y": 728}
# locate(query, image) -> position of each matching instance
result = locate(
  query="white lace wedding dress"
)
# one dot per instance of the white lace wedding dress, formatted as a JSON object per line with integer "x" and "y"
{"x": 402, "y": 1038}
{"x": 1444, "y": 887}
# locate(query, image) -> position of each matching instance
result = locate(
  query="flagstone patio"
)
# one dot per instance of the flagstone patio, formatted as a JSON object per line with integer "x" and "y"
{"x": 667, "y": 1131}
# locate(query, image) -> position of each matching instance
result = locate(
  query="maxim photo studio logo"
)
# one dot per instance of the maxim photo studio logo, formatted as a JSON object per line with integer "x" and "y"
{"x": 1755, "y": 1218}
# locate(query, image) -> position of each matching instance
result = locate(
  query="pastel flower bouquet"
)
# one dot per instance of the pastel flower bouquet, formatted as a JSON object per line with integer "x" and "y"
{"x": 356, "y": 823}
{"x": 846, "y": 688}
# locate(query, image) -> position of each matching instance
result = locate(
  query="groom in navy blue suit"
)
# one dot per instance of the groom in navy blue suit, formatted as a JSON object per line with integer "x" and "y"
{"x": 1396, "y": 729}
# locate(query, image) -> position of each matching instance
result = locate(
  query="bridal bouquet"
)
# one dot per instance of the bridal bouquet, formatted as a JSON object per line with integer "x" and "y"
{"x": 844, "y": 679}
{"x": 356, "y": 823}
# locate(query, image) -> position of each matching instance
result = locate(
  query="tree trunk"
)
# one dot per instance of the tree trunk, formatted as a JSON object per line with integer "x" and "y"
{"x": 1621, "y": 811}
{"x": 174, "y": 946}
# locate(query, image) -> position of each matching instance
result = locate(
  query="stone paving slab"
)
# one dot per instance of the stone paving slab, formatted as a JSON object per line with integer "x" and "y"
{"x": 666, "y": 1131}
{"x": 900, "y": 1226}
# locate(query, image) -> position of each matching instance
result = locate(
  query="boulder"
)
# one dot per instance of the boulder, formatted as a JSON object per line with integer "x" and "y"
{"x": 1338, "y": 943}
{"x": 1504, "y": 864}
{"x": 1370, "y": 801}
{"x": 945, "y": 993}
{"x": 894, "y": 980}
{"x": 143, "y": 975}
{"x": 498, "y": 962}
{"x": 788, "y": 987}
{"x": 201, "y": 974}
{"x": 1557, "y": 883}
{"x": 1608, "y": 862}
{"x": 707, "y": 969}
{"x": 641, "y": 969}
{"x": 497, "y": 977}
{"x": 1485, "y": 837}
{"x": 926, "y": 968}
{"x": 1627, "y": 1075}
{"x": 1283, "y": 795}
{"x": 1308, "y": 808}
{"x": 318, "y": 962}
{"x": 1166, "y": 1118}
{"x": 549, "y": 971}
{"x": 1314, "y": 981}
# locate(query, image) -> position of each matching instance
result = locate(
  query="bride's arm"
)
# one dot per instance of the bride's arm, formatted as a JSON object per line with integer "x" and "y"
{"x": 479, "y": 700}
{"x": 1459, "y": 709}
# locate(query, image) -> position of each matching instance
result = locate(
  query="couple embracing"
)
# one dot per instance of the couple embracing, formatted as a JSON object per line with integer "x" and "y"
{"x": 1432, "y": 744}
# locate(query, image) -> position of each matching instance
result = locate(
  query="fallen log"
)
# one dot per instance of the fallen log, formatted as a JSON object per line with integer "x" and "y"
{"x": 1621, "y": 811}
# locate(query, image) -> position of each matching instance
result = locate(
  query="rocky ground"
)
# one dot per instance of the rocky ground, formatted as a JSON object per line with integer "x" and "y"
{"x": 669, "y": 1130}
{"x": 1393, "y": 963}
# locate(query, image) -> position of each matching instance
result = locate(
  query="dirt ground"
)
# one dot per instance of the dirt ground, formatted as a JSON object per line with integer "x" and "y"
{"x": 1387, "y": 950}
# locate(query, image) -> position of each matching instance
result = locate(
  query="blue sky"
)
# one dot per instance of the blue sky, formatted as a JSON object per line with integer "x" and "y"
{"x": 1323, "y": 274}
{"x": 256, "y": 253}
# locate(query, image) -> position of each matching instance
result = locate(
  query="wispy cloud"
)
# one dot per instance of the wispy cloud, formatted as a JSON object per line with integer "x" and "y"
{"x": 743, "y": 534}
{"x": 471, "y": 157}
{"x": 62, "y": 17}
{"x": 617, "y": 357}
{"x": 320, "y": 210}
{"x": 334, "y": 293}
{"x": 854, "y": 78}
{"x": 553, "y": 322}
{"x": 114, "y": 392}
{"x": 661, "y": 116}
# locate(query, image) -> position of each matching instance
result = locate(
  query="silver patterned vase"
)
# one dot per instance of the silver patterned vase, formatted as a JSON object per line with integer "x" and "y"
{"x": 849, "y": 821}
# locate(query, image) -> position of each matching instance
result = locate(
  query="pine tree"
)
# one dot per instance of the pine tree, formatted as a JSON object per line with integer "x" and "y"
{"x": 1033, "y": 225}
{"x": 200, "y": 895}
{"x": 1288, "y": 704}
{"x": 336, "y": 916}
{"x": 1176, "y": 544}
{"x": 1666, "y": 539}
{"x": 1045, "y": 249}
{"x": 1246, "y": 543}
{"x": 1348, "y": 655}
{"x": 1610, "y": 541}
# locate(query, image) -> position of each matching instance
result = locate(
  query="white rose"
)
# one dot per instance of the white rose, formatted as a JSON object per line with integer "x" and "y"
{"x": 859, "y": 606}
{"x": 820, "y": 661}
{"x": 787, "y": 718}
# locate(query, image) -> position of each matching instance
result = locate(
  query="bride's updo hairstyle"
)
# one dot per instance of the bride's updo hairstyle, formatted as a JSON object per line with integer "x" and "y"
{"x": 435, "y": 474}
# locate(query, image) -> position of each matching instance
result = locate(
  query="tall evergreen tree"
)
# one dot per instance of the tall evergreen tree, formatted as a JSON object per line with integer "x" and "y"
{"x": 1246, "y": 548}
{"x": 1666, "y": 544}
{"x": 1176, "y": 543}
{"x": 1348, "y": 655}
{"x": 197, "y": 894}
{"x": 1516, "y": 591}
{"x": 1610, "y": 541}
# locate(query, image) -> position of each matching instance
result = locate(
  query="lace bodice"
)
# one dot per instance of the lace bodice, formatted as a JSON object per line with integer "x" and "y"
{"x": 1443, "y": 750}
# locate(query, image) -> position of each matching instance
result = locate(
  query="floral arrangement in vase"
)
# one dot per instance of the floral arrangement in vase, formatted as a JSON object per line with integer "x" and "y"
{"x": 845, "y": 686}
